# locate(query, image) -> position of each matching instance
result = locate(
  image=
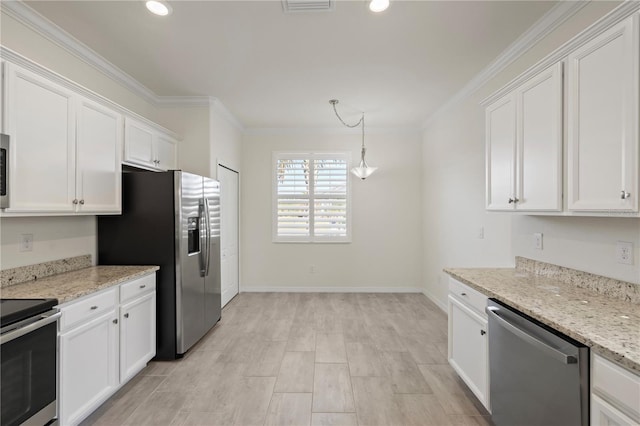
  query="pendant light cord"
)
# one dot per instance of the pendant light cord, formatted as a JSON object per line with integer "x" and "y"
{"x": 333, "y": 102}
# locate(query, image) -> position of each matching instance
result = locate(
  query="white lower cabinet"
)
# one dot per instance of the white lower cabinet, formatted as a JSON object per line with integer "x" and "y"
{"x": 603, "y": 414}
{"x": 468, "y": 339}
{"x": 615, "y": 394}
{"x": 137, "y": 345}
{"x": 105, "y": 339}
{"x": 88, "y": 367}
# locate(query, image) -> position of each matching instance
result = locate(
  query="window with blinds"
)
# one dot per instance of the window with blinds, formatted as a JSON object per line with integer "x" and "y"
{"x": 311, "y": 197}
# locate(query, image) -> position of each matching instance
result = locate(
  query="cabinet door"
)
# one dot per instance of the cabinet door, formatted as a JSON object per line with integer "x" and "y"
{"x": 138, "y": 144}
{"x": 500, "y": 146}
{"x": 137, "y": 335}
{"x": 468, "y": 348}
{"x": 40, "y": 119}
{"x": 88, "y": 367}
{"x": 603, "y": 121}
{"x": 98, "y": 170}
{"x": 166, "y": 153}
{"x": 539, "y": 134}
{"x": 603, "y": 414}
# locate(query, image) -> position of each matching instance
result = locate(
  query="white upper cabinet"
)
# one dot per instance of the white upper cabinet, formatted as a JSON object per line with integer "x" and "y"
{"x": 524, "y": 146}
{"x": 539, "y": 146}
{"x": 500, "y": 145}
{"x": 40, "y": 119}
{"x": 99, "y": 159}
{"x": 138, "y": 147}
{"x": 65, "y": 155}
{"x": 166, "y": 152}
{"x": 147, "y": 147}
{"x": 603, "y": 121}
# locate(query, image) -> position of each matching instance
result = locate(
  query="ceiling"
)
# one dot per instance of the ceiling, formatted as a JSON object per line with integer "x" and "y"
{"x": 278, "y": 70}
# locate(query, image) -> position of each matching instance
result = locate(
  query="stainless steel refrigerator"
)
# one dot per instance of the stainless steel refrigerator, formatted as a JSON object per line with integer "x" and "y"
{"x": 170, "y": 219}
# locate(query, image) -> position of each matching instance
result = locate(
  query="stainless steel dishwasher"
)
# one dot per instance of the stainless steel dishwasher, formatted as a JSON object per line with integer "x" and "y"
{"x": 538, "y": 376}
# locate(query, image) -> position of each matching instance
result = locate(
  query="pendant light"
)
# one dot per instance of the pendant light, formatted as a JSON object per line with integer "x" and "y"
{"x": 363, "y": 170}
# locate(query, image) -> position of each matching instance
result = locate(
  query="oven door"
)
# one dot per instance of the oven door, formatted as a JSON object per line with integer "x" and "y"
{"x": 28, "y": 372}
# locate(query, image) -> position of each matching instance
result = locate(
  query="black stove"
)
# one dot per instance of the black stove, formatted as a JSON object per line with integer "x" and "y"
{"x": 16, "y": 310}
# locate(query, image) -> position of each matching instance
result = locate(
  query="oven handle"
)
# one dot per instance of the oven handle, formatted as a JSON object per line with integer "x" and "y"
{"x": 45, "y": 319}
{"x": 553, "y": 352}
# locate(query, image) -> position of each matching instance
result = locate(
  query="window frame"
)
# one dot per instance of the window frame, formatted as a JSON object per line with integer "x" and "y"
{"x": 309, "y": 155}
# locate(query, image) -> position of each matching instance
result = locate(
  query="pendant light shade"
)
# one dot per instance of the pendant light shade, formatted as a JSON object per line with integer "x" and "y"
{"x": 363, "y": 170}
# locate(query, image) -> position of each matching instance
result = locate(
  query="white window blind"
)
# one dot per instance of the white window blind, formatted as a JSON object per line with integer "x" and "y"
{"x": 311, "y": 197}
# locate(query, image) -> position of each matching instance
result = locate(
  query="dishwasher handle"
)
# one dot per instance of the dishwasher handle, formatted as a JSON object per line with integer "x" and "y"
{"x": 533, "y": 341}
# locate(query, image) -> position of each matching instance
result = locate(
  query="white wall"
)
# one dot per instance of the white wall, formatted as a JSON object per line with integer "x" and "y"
{"x": 386, "y": 247}
{"x": 454, "y": 185}
{"x": 453, "y": 201}
{"x": 584, "y": 243}
{"x": 53, "y": 238}
{"x": 225, "y": 140}
{"x": 192, "y": 124}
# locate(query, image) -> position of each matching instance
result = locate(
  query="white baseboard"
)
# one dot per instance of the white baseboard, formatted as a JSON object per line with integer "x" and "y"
{"x": 435, "y": 300}
{"x": 324, "y": 289}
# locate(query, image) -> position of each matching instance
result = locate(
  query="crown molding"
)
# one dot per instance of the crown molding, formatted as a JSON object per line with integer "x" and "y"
{"x": 182, "y": 101}
{"x": 617, "y": 15}
{"x": 331, "y": 131}
{"x": 18, "y": 59}
{"x": 543, "y": 27}
{"x": 52, "y": 32}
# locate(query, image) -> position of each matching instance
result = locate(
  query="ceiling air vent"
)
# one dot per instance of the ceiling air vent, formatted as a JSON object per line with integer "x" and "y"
{"x": 291, "y": 6}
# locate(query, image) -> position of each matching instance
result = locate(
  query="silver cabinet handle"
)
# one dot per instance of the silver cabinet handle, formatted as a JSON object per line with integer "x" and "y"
{"x": 482, "y": 332}
{"x": 533, "y": 341}
{"x": 75, "y": 201}
{"x": 143, "y": 286}
{"x": 624, "y": 195}
{"x": 126, "y": 315}
{"x": 81, "y": 201}
{"x": 94, "y": 307}
{"x": 115, "y": 321}
{"x": 513, "y": 200}
{"x": 463, "y": 294}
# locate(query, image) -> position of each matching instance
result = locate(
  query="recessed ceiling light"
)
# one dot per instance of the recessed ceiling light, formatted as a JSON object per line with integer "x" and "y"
{"x": 158, "y": 7}
{"x": 378, "y": 5}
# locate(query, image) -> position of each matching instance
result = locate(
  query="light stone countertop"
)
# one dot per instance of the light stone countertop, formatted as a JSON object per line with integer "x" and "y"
{"x": 611, "y": 327}
{"x": 69, "y": 286}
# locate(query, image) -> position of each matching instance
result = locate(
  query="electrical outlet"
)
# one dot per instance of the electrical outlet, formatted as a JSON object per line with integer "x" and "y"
{"x": 624, "y": 252}
{"x": 26, "y": 244}
{"x": 537, "y": 241}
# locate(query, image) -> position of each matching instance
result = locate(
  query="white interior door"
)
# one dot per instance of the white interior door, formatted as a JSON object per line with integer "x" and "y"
{"x": 229, "y": 232}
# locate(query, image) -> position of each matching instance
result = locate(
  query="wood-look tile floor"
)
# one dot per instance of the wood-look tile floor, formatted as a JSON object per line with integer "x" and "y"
{"x": 307, "y": 359}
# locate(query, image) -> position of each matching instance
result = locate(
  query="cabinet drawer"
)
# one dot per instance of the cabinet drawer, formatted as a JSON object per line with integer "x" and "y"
{"x": 469, "y": 296}
{"x": 137, "y": 287}
{"x": 85, "y": 309}
{"x": 616, "y": 385}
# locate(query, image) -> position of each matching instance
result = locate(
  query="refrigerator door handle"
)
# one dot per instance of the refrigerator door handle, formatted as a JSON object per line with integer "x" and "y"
{"x": 203, "y": 223}
{"x": 208, "y": 258}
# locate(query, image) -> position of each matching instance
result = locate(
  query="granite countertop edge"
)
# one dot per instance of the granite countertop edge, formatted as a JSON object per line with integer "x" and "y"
{"x": 69, "y": 286}
{"x": 598, "y": 347}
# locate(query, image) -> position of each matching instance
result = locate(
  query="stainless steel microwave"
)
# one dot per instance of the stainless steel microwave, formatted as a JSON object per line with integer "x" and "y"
{"x": 4, "y": 171}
